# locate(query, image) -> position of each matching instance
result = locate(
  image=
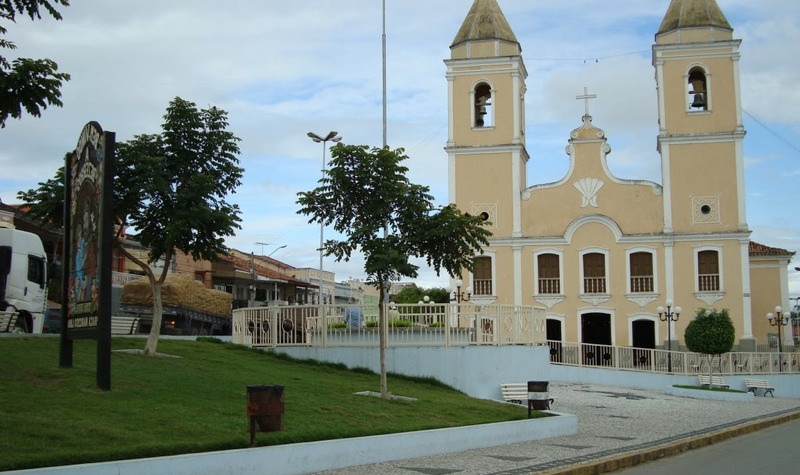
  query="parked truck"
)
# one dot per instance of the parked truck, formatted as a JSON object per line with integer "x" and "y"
{"x": 23, "y": 281}
{"x": 189, "y": 308}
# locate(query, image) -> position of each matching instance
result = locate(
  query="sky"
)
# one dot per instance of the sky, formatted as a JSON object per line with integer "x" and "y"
{"x": 283, "y": 69}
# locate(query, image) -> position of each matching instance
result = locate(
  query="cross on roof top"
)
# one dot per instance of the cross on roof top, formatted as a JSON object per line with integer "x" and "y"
{"x": 585, "y": 97}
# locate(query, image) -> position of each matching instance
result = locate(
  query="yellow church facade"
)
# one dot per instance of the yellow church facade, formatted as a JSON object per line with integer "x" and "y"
{"x": 599, "y": 253}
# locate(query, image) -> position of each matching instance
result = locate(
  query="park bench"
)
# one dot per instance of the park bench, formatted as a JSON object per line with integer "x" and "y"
{"x": 514, "y": 392}
{"x": 711, "y": 381}
{"x": 123, "y": 325}
{"x": 536, "y": 394}
{"x": 753, "y": 384}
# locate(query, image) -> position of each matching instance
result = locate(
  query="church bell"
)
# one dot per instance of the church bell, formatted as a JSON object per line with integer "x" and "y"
{"x": 699, "y": 101}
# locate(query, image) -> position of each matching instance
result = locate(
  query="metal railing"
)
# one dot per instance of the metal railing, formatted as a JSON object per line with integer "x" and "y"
{"x": 708, "y": 282}
{"x": 658, "y": 361}
{"x": 549, "y": 285}
{"x": 641, "y": 283}
{"x": 408, "y": 325}
{"x": 594, "y": 285}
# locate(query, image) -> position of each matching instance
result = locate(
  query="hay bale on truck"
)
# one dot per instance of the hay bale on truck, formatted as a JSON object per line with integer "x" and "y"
{"x": 189, "y": 307}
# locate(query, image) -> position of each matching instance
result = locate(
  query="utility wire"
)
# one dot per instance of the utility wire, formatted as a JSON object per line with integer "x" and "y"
{"x": 778, "y": 136}
{"x": 595, "y": 59}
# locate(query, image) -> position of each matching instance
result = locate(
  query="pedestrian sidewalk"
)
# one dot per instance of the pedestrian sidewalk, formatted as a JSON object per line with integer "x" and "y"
{"x": 616, "y": 427}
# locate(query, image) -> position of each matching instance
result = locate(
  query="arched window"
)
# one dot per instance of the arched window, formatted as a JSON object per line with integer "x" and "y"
{"x": 483, "y": 106}
{"x": 482, "y": 276}
{"x": 708, "y": 271}
{"x": 698, "y": 89}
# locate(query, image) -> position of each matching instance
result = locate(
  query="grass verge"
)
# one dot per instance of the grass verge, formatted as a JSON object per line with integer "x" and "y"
{"x": 197, "y": 402}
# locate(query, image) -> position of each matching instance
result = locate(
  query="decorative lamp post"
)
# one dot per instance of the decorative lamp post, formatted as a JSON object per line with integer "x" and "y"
{"x": 780, "y": 319}
{"x": 669, "y": 316}
{"x": 332, "y": 136}
{"x": 458, "y": 297}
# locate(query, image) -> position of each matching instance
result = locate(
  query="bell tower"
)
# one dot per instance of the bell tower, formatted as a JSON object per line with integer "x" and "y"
{"x": 700, "y": 119}
{"x": 486, "y": 117}
{"x": 700, "y": 141}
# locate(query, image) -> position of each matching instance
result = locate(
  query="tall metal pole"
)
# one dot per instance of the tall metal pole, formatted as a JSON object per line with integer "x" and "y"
{"x": 332, "y": 137}
{"x": 383, "y": 38}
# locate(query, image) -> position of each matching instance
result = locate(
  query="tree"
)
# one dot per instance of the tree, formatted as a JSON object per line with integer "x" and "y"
{"x": 29, "y": 84}
{"x": 171, "y": 188}
{"x": 366, "y": 197}
{"x": 710, "y": 333}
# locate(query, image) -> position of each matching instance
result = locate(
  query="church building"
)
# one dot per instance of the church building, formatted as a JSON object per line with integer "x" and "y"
{"x": 607, "y": 257}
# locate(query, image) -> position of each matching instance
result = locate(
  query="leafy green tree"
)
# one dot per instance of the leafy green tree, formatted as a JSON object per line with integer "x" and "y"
{"x": 410, "y": 294}
{"x": 170, "y": 187}
{"x": 367, "y": 198}
{"x": 710, "y": 333}
{"x": 29, "y": 84}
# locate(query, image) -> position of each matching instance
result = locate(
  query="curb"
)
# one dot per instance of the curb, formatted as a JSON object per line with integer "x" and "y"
{"x": 656, "y": 453}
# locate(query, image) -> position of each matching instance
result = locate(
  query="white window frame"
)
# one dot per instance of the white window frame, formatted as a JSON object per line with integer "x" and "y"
{"x": 686, "y": 86}
{"x": 720, "y": 269}
{"x": 493, "y": 258}
{"x": 491, "y": 112}
{"x": 560, "y": 254}
{"x": 594, "y": 250}
{"x": 653, "y": 254}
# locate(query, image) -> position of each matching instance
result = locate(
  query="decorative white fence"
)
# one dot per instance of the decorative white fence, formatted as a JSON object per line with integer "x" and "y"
{"x": 408, "y": 324}
{"x": 677, "y": 362}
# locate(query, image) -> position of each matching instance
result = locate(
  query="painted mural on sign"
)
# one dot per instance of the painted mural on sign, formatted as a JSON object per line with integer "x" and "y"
{"x": 87, "y": 163}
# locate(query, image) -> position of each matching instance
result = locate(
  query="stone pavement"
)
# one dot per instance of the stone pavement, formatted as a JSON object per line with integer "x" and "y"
{"x": 617, "y": 427}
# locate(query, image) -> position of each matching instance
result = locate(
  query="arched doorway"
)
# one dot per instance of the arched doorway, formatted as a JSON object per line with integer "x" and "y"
{"x": 554, "y": 338}
{"x": 596, "y": 339}
{"x": 643, "y": 335}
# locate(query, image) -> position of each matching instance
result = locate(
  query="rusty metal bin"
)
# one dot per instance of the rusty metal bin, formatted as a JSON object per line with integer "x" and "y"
{"x": 538, "y": 396}
{"x": 265, "y": 409}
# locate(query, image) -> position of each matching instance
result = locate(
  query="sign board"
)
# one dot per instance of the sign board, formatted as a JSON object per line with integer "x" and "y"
{"x": 88, "y": 229}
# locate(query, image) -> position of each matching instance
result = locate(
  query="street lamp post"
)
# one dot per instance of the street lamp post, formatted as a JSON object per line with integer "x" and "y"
{"x": 669, "y": 316}
{"x": 458, "y": 297}
{"x": 779, "y": 319}
{"x": 332, "y": 136}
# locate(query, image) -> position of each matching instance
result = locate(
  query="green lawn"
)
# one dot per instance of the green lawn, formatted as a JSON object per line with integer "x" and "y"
{"x": 196, "y": 403}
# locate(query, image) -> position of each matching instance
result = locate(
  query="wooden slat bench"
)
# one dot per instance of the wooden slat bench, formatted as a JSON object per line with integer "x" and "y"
{"x": 515, "y": 392}
{"x": 124, "y": 325}
{"x": 753, "y": 384}
{"x": 705, "y": 380}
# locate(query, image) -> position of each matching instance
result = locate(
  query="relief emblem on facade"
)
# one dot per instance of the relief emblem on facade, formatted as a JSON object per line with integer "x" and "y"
{"x": 588, "y": 188}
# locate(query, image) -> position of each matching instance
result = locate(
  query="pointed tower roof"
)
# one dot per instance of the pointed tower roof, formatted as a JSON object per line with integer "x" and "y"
{"x": 485, "y": 21}
{"x": 693, "y": 13}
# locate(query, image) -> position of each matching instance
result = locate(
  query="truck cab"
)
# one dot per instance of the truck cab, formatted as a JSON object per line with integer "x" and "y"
{"x": 23, "y": 279}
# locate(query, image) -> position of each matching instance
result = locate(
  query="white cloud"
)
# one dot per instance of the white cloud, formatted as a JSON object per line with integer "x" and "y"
{"x": 282, "y": 69}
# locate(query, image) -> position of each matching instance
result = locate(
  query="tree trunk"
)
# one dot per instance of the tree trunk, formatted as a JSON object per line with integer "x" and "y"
{"x": 158, "y": 309}
{"x": 710, "y": 371}
{"x": 383, "y": 324}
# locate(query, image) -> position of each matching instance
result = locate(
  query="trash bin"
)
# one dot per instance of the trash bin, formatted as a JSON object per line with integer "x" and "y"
{"x": 538, "y": 396}
{"x": 265, "y": 409}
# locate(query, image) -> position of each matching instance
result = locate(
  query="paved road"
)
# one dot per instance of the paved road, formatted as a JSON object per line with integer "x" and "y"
{"x": 772, "y": 450}
{"x": 611, "y": 422}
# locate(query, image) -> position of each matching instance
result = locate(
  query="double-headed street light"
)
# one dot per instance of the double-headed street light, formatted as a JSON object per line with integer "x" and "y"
{"x": 669, "y": 316}
{"x": 779, "y": 319}
{"x": 332, "y": 136}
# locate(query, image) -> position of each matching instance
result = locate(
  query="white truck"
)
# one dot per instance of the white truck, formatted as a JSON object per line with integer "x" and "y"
{"x": 23, "y": 281}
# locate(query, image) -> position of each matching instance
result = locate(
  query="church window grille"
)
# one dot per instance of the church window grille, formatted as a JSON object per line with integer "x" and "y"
{"x": 549, "y": 274}
{"x": 594, "y": 273}
{"x": 708, "y": 271}
{"x": 482, "y": 276}
{"x": 641, "y": 265}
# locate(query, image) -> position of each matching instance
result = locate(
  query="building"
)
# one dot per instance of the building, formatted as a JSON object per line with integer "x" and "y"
{"x": 602, "y": 254}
